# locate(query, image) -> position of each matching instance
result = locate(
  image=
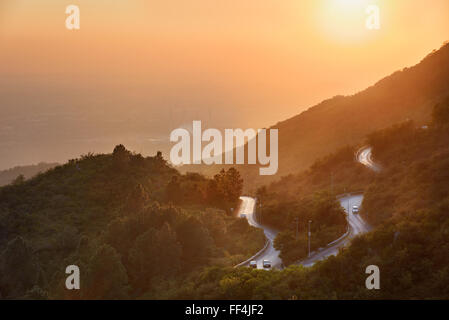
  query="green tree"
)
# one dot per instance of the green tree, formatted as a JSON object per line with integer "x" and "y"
{"x": 173, "y": 191}
{"x": 226, "y": 188}
{"x": 214, "y": 221}
{"x": 155, "y": 253}
{"x": 19, "y": 180}
{"x": 440, "y": 113}
{"x": 68, "y": 238}
{"x": 19, "y": 268}
{"x": 195, "y": 240}
{"x": 292, "y": 249}
{"x": 137, "y": 200}
{"x": 121, "y": 157}
{"x": 106, "y": 276}
{"x": 169, "y": 252}
{"x": 234, "y": 185}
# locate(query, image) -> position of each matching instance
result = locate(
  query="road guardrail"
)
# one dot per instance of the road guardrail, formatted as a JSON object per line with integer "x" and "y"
{"x": 267, "y": 243}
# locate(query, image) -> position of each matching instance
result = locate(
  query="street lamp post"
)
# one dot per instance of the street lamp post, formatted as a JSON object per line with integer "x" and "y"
{"x": 310, "y": 221}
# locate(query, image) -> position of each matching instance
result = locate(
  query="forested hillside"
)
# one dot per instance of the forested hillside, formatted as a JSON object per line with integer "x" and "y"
{"x": 410, "y": 93}
{"x": 137, "y": 228}
{"x": 132, "y": 225}
{"x": 310, "y": 195}
{"x": 409, "y": 204}
{"x": 416, "y": 168}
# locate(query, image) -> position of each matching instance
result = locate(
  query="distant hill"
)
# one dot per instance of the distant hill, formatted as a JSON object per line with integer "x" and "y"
{"x": 8, "y": 176}
{"x": 407, "y": 94}
{"x": 346, "y": 120}
{"x": 136, "y": 216}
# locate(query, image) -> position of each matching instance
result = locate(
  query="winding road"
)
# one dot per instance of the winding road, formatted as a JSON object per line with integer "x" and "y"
{"x": 364, "y": 156}
{"x": 356, "y": 225}
{"x": 247, "y": 208}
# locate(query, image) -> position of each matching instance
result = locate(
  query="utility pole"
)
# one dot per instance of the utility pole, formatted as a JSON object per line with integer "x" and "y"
{"x": 297, "y": 226}
{"x": 310, "y": 221}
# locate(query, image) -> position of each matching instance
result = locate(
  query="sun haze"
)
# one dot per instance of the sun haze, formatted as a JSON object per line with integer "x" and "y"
{"x": 136, "y": 69}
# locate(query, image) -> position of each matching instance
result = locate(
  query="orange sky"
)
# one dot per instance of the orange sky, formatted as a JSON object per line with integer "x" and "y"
{"x": 157, "y": 64}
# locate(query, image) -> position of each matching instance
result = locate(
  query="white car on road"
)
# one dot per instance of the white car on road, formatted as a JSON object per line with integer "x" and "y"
{"x": 266, "y": 264}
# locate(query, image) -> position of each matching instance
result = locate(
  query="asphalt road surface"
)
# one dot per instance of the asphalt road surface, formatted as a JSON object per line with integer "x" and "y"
{"x": 247, "y": 208}
{"x": 364, "y": 156}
